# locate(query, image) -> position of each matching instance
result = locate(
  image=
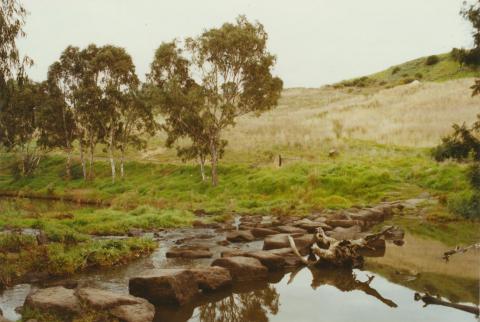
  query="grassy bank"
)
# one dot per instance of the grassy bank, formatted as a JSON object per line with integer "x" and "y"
{"x": 362, "y": 174}
{"x": 23, "y": 258}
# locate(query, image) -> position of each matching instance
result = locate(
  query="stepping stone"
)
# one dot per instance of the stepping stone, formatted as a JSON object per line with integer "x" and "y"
{"x": 189, "y": 252}
{"x": 281, "y": 241}
{"x": 165, "y": 286}
{"x": 57, "y": 299}
{"x": 263, "y": 232}
{"x": 270, "y": 260}
{"x": 239, "y": 236}
{"x": 291, "y": 230}
{"x": 212, "y": 278}
{"x": 243, "y": 268}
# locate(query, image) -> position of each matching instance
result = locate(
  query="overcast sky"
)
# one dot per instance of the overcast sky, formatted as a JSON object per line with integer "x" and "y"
{"x": 316, "y": 41}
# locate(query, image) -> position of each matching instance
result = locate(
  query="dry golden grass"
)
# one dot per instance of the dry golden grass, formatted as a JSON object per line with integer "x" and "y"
{"x": 417, "y": 114}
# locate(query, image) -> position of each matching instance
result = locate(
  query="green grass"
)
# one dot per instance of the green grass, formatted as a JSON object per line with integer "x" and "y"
{"x": 363, "y": 174}
{"x": 21, "y": 255}
{"x": 446, "y": 69}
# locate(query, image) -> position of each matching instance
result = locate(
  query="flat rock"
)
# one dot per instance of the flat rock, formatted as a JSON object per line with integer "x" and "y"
{"x": 341, "y": 233}
{"x": 142, "y": 312}
{"x": 101, "y": 299}
{"x": 291, "y": 230}
{"x": 243, "y": 268}
{"x": 345, "y": 223}
{"x": 58, "y": 299}
{"x": 177, "y": 286}
{"x": 259, "y": 232}
{"x": 212, "y": 278}
{"x": 239, "y": 236}
{"x": 311, "y": 226}
{"x": 189, "y": 252}
{"x": 268, "y": 259}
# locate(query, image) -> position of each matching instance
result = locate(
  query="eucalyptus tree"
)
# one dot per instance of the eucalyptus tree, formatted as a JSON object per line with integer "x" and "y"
{"x": 19, "y": 130}
{"x": 136, "y": 121}
{"x": 115, "y": 80}
{"x": 215, "y": 78}
{"x": 12, "y": 21}
{"x": 65, "y": 78}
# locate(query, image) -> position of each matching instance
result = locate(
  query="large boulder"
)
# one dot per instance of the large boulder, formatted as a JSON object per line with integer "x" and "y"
{"x": 259, "y": 232}
{"x": 125, "y": 307}
{"x": 270, "y": 260}
{"x": 175, "y": 286}
{"x": 55, "y": 299}
{"x": 212, "y": 278}
{"x": 189, "y": 252}
{"x": 239, "y": 236}
{"x": 242, "y": 268}
{"x": 341, "y": 233}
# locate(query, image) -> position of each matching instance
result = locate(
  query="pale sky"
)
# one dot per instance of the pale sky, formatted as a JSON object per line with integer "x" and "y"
{"x": 317, "y": 42}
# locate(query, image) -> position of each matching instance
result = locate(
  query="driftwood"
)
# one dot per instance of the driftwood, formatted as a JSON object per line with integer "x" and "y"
{"x": 428, "y": 299}
{"x": 459, "y": 250}
{"x": 340, "y": 253}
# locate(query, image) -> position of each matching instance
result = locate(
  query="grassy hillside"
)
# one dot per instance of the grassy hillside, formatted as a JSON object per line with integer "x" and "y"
{"x": 446, "y": 68}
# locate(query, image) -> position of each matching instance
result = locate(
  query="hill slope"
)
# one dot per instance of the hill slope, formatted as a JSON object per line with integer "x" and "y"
{"x": 446, "y": 68}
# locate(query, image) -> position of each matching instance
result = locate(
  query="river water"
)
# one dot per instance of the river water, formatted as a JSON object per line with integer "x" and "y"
{"x": 382, "y": 291}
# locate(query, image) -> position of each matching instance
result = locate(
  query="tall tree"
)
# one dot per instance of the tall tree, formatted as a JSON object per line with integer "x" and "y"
{"x": 19, "y": 130}
{"x": 136, "y": 120}
{"x": 116, "y": 80}
{"x": 12, "y": 20}
{"x": 65, "y": 79}
{"x": 226, "y": 73}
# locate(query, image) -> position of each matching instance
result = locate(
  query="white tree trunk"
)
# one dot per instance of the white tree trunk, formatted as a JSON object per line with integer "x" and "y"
{"x": 82, "y": 160}
{"x": 201, "y": 160}
{"x": 122, "y": 162}
{"x": 112, "y": 160}
{"x": 214, "y": 162}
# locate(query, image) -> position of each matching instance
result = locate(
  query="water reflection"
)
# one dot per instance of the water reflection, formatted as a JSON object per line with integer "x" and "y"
{"x": 251, "y": 306}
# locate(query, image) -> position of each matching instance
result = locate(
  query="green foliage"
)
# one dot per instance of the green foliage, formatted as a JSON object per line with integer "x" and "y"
{"x": 432, "y": 60}
{"x": 462, "y": 143}
{"x": 474, "y": 175}
{"x": 235, "y": 78}
{"x": 466, "y": 204}
{"x": 396, "y": 70}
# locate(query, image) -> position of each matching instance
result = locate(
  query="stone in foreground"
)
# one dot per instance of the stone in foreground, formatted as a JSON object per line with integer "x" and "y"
{"x": 142, "y": 312}
{"x": 212, "y": 278}
{"x": 57, "y": 299}
{"x": 281, "y": 241}
{"x": 174, "y": 286}
{"x": 268, "y": 259}
{"x": 243, "y": 268}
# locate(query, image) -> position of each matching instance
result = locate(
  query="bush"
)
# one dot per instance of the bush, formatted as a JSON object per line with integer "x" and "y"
{"x": 418, "y": 75}
{"x": 459, "y": 145}
{"x": 465, "y": 56}
{"x": 432, "y": 60}
{"x": 466, "y": 204}
{"x": 474, "y": 175}
{"x": 396, "y": 70}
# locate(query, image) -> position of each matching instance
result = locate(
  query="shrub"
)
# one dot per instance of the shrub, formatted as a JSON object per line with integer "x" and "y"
{"x": 466, "y": 204}
{"x": 432, "y": 60}
{"x": 474, "y": 175}
{"x": 418, "y": 75}
{"x": 459, "y": 145}
{"x": 396, "y": 70}
{"x": 466, "y": 56}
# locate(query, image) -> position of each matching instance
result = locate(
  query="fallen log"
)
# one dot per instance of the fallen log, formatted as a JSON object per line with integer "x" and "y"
{"x": 340, "y": 253}
{"x": 428, "y": 299}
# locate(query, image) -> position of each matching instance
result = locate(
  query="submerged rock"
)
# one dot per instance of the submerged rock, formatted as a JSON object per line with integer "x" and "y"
{"x": 163, "y": 286}
{"x": 243, "y": 268}
{"x": 212, "y": 278}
